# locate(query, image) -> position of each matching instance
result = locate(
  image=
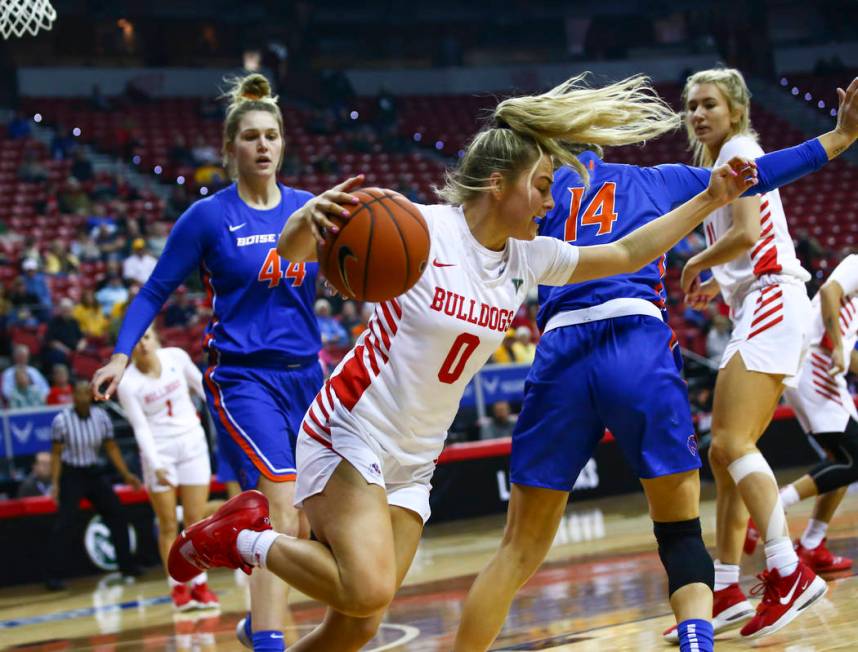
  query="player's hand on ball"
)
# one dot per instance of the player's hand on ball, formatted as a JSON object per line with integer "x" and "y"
{"x": 730, "y": 180}
{"x": 332, "y": 203}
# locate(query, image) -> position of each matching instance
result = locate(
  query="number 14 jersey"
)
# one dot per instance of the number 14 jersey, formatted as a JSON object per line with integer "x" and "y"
{"x": 399, "y": 388}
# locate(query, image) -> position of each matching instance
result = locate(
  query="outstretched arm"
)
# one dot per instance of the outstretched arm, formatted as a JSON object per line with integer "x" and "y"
{"x": 635, "y": 250}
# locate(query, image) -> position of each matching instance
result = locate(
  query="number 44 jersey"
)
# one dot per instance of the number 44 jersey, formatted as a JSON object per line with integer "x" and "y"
{"x": 400, "y": 386}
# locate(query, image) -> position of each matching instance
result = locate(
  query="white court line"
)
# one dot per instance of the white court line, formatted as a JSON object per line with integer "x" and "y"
{"x": 409, "y": 633}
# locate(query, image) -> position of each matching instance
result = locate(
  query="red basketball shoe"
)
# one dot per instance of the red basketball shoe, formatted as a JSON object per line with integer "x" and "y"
{"x": 211, "y": 542}
{"x": 204, "y": 596}
{"x": 821, "y": 559}
{"x": 730, "y": 608}
{"x": 182, "y": 600}
{"x": 752, "y": 537}
{"x": 784, "y": 598}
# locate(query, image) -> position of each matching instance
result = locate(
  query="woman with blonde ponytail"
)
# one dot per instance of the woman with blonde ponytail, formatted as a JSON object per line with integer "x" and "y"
{"x": 369, "y": 441}
{"x": 263, "y": 339}
{"x": 753, "y": 263}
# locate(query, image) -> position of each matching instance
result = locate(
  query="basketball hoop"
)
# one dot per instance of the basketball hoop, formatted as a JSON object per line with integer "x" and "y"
{"x": 18, "y": 17}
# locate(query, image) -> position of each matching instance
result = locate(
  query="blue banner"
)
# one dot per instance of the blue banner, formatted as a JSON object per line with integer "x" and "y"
{"x": 26, "y": 432}
{"x": 496, "y": 383}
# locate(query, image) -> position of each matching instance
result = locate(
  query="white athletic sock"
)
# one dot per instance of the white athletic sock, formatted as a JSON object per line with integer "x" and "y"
{"x": 789, "y": 496}
{"x": 172, "y": 583}
{"x": 814, "y": 533}
{"x": 202, "y": 578}
{"x": 725, "y": 575}
{"x": 253, "y": 546}
{"x": 780, "y": 555}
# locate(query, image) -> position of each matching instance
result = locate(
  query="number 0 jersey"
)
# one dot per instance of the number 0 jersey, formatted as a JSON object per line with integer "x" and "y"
{"x": 400, "y": 386}
{"x": 262, "y": 305}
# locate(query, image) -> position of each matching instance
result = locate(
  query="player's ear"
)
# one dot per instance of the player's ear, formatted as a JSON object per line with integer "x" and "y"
{"x": 497, "y": 185}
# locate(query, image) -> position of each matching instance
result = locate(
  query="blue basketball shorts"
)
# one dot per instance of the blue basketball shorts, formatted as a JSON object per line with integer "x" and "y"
{"x": 617, "y": 373}
{"x": 257, "y": 409}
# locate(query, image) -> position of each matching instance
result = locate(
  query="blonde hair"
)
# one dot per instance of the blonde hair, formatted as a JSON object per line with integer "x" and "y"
{"x": 246, "y": 94}
{"x": 567, "y": 120}
{"x": 735, "y": 91}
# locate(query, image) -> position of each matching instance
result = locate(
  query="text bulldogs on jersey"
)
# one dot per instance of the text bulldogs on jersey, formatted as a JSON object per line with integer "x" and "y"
{"x": 162, "y": 392}
{"x": 455, "y": 305}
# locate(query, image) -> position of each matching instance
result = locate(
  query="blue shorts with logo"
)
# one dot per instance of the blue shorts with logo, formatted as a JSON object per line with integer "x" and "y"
{"x": 257, "y": 406}
{"x": 617, "y": 373}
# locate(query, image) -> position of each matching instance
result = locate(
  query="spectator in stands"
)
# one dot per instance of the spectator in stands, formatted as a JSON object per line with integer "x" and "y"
{"x": 523, "y": 349}
{"x": 526, "y": 316}
{"x": 717, "y": 338}
{"x": 5, "y": 310}
{"x": 31, "y": 251}
{"x": 24, "y": 393}
{"x": 90, "y": 316}
{"x": 72, "y": 198}
{"x": 18, "y": 127}
{"x": 113, "y": 292}
{"x": 210, "y": 175}
{"x": 21, "y": 362}
{"x": 500, "y": 424}
{"x": 179, "y": 155}
{"x": 22, "y": 303}
{"x": 333, "y": 333}
{"x": 158, "y": 238}
{"x": 62, "y": 144}
{"x": 177, "y": 203}
{"x": 111, "y": 243}
{"x": 504, "y": 354}
{"x": 181, "y": 312}
{"x": 84, "y": 247}
{"x": 81, "y": 168}
{"x": 35, "y": 283}
{"x": 350, "y": 320}
{"x": 204, "y": 153}
{"x": 61, "y": 389}
{"x": 117, "y": 313}
{"x": 63, "y": 336}
{"x": 38, "y": 483}
{"x": 139, "y": 265}
{"x": 31, "y": 170}
{"x": 78, "y": 434}
{"x": 58, "y": 260}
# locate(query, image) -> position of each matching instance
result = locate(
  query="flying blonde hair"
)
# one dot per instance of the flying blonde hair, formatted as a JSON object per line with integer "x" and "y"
{"x": 732, "y": 85}
{"x": 249, "y": 93}
{"x": 563, "y": 122}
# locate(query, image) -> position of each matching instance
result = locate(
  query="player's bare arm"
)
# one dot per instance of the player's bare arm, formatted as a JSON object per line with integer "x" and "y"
{"x": 830, "y": 296}
{"x": 839, "y": 139}
{"x": 740, "y": 237}
{"x": 647, "y": 243}
{"x": 306, "y": 227}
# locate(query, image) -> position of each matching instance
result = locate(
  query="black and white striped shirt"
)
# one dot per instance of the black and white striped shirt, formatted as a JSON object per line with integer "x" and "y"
{"x": 82, "y": 438}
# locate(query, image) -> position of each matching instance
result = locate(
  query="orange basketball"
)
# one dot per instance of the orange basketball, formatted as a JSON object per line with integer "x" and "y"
{"x": 380, "y": 251}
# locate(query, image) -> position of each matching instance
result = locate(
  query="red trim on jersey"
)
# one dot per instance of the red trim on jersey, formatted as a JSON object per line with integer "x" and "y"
{"x": 260, "y": 465}
{"x": 370, "y": 353}
{"x": 766, "y": 327}
{"x": 322, "y": 426}
{"x": 315, "y": 435}
{"x": 765, "y": 254}
{"x": 371, "y": 337}
{"x": 381, "y": 331}
{"x": 765, "y": 232}
{"x": 825, "y": 379}
{"x": 396, "y": 308}
{"x": 826, "y": 393}
{"x": 764, "y": 205}
{"x": 761, "y": 244}
{"x": 766, "y": 314}
{"x": 321, "y": 405}
{"x": 820, "y": 359}
{"x": 764, "y": 302}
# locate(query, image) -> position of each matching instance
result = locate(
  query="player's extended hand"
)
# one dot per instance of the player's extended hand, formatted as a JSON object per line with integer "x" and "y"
{"x": 700, "y": 294}
{"x": 847, "y": 111}
{"x": 730, "y": 180}
{"x": 838, "y": 360}
{"x": 111, "y": 373}
{"x": 164, "y": 478}
{"x": 331, "y": 203}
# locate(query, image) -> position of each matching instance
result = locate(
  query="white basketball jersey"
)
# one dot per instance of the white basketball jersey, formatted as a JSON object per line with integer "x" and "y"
{"x": 161, "y": 407}
{"x": 400, "y": 386}
{"x": 773, "y": 253}
{"x": 846, "y": 275}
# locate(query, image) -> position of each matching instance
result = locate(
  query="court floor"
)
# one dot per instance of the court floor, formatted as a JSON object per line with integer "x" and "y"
{"x": 602, "y": 589}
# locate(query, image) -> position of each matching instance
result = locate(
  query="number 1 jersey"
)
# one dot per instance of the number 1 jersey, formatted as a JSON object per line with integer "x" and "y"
{"x": 400, "y": 386}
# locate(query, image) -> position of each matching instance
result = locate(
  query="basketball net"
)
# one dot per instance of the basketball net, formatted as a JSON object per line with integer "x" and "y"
{"x": 18, "y": 17}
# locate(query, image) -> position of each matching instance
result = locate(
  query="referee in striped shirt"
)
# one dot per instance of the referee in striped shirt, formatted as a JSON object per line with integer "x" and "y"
{"x": 78, "y": 434}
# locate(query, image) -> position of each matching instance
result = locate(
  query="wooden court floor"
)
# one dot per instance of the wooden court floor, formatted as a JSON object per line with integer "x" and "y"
{"x": 602, "y": 589}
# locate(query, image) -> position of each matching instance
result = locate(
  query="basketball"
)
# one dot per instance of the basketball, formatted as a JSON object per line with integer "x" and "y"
{"x": 381, "y": 249}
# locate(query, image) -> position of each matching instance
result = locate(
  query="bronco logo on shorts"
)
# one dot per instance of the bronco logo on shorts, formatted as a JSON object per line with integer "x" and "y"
{"x": 692, "y": 444}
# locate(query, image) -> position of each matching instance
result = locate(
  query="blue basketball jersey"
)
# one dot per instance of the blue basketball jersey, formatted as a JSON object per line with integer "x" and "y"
{"x": 622, "y": 198}
{"x": 262, "y": 305}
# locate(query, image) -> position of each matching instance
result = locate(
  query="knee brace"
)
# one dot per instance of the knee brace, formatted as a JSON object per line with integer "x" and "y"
{"x": 842, "y": 469}
{"x": 683, "y": 555}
